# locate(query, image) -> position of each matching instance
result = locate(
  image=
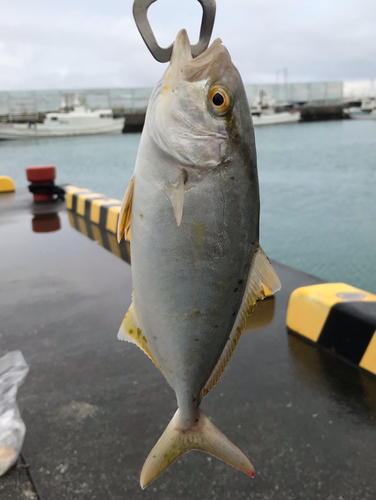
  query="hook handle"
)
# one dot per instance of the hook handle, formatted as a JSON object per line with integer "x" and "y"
{"x": 140, "y": 8}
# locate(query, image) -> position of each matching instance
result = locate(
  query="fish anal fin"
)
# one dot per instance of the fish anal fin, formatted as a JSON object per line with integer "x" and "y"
{"x": 261, "y": 279}
{"x": 124, "y": 221}
{"x": 204, "y": 436}
{"x": 131, "y": 331}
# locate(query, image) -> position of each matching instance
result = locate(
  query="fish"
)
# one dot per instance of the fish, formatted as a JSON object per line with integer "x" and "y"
{"x": 191, "y": 211}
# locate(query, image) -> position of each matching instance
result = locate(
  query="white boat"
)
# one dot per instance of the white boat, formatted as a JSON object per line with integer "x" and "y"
{"x": 273, "y": 118}
{"x": 358, "y": 114}
{"x": 263, "y": 112}
{"x": 366, "y": 111}
{"x": 70, "y": 121}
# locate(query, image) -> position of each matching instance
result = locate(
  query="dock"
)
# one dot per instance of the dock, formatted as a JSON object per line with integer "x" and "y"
{"x": 94, "y": 406}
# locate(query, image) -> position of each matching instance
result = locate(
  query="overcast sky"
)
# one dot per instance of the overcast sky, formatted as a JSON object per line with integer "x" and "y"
{"x": 50, "y": 44}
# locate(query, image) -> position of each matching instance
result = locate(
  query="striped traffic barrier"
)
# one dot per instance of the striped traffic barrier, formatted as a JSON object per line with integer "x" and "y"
{"x": 93, "y": 206}
{"x": 338, "y": 318}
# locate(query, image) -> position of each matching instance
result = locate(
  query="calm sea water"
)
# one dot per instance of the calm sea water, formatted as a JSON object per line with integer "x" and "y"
{"x": 317, "y": 183}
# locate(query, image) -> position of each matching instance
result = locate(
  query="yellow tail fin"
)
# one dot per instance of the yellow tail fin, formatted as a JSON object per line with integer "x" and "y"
{"x": 203, "y": 436}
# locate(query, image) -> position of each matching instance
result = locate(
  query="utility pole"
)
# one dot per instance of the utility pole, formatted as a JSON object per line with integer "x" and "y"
{"x": 285, "y": 75}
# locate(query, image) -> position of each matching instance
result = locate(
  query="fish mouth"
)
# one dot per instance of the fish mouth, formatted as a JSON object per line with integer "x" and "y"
{"x": 181, "y": 55}
{"x": 181, "y": 51}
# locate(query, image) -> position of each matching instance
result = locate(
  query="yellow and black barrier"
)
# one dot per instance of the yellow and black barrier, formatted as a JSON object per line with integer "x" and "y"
{"x": 94, "y": 206}
{"x": 104, "y": 238}
{"x": 337, "y": 317}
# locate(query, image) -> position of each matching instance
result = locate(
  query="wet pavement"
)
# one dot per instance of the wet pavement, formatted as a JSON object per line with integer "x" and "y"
{"x": 16, "y": 484}
{"x": 94, "y": 407}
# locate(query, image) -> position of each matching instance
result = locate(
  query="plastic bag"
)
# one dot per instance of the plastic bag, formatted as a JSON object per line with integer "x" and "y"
{"x": 13, "y": 370}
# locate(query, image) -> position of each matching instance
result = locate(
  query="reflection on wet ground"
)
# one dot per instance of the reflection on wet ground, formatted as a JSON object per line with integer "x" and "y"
{"x": 46, "y": 223}
{"x": 352, "y": 389}
{"x": 262, "y": 314}
{"x": 104, "y": 238}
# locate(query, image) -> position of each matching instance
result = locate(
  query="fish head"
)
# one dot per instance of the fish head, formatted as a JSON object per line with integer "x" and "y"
{"x": 197, "y": 110}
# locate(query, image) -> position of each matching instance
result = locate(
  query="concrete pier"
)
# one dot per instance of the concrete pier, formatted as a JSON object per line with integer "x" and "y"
{"x": 94, "y": 406}
{"x": 322, "y": 113}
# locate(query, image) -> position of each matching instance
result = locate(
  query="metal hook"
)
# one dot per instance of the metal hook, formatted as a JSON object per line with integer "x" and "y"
{"x": 140, "y": 8}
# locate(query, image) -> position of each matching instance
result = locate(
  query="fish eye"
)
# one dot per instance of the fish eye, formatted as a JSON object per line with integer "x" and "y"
{"x": 220, "y": 99}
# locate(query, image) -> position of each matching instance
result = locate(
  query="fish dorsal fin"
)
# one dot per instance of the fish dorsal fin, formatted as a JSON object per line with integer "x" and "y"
{"x": 124, "y": 221}
{"x": 131, "y": 331}
{"x": 261, "y": 273}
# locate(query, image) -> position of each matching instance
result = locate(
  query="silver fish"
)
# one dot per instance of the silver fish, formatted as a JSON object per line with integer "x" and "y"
{"x": 197, "y": 265}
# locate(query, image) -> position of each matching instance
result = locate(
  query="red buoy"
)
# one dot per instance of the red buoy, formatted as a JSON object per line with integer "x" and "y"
{"x": 41, "y": 176}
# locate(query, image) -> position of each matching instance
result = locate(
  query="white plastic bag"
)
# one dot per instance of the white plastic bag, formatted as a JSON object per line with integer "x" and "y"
{"x": 13, "y": 369}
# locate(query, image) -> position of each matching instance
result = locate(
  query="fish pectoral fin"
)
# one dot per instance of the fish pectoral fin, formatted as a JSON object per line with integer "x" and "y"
{"x": 131, "y": 331}
{"x": 176, "y": 195}
{"x": 203, "y": 436}
{"x": 124, "y": 221}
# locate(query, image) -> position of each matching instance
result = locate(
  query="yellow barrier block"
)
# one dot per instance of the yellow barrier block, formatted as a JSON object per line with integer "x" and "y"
{"x": 112, "y": 219}
{"x": 309, "y": 306}
{"x": 6, "y": 184}
{"x": 70, "y": 191}
{"x": 80, "y": 208}
{"x": 96, "y": 205}
{"x": 267, "y": 292}
{"x": 368, "y": 361}
{"x": 339, "y": 318}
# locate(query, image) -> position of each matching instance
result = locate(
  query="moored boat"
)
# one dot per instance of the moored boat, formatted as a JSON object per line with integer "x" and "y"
{"x": 367, "y": 110}
{"x": 263, "y": 112}
{"x": 69, "y": 121}
{"x": 358, "y": 114}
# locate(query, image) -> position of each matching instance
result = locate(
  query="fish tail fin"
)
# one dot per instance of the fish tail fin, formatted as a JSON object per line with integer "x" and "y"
{"x": 202, "y": 436}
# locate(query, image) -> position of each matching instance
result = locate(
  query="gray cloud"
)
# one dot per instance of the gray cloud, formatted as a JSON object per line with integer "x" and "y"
{"x": 49, "y": 44}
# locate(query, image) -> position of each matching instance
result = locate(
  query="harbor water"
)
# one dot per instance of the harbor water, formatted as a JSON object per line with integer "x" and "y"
{"x": 317, "y": 184}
